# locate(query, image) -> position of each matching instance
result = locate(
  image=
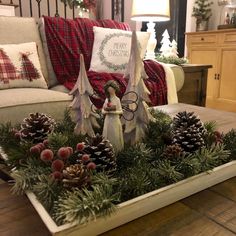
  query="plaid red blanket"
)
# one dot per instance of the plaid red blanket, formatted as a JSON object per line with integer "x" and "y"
{"x": 68, "y": 38}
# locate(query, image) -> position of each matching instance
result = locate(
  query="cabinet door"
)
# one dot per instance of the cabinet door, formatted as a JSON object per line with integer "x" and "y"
{"x": 226, "y": 82}
{"x": 206, "y": 56}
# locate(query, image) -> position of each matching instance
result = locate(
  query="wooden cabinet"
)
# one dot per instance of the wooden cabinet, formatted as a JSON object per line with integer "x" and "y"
{"x": 217, "y": 48}
{"x": 195, "y": 82}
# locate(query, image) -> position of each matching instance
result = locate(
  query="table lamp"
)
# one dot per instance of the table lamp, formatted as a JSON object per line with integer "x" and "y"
{"x": 151, "y": 11}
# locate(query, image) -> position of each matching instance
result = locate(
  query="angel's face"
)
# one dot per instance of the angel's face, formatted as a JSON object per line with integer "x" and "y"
{"x": 111, "y": 91}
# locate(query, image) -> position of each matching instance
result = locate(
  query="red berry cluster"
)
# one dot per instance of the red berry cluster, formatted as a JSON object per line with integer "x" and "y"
{"x": 85, "y": 159}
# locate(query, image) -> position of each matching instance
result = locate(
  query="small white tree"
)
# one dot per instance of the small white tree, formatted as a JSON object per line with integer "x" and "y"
{"x": 165, "y": 48}
{"x": 135, "y": 129}
{"x": 86, "y": 118}
{"x": 174, "y": 49}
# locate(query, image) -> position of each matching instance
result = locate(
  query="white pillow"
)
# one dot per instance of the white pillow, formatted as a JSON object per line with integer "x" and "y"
{"x": 111, "y": 49}
{"x": 20, "y": 66}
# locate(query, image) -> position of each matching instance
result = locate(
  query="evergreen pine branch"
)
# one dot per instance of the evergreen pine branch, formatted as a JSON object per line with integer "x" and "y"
{"x": 210, "y": 126}
{"x": 229, "y": 141}
{"x": 159, "y": 130}
{"x": 168, "y": 172}
{"x": 66, "y": 125}
{"x": 211, "y": 157}
{"x": 57, "y": 140}
{"x": 82, "y": 206}
{"x": 27, "y": 176}
{"x": 171, "y": 60}
{"x": 133, "y": 155}
{"x": 47, "y": 191}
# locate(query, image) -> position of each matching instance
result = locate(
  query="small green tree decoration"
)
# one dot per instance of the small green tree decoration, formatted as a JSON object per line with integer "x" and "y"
{"x": 202, "y": 11}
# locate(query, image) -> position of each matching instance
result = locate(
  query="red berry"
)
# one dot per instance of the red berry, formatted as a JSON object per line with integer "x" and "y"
{"x": 45, "y": 142}
{"x": 91, "y": 166}
{"x": 46, "y": 155}
{"x": 217, "y": 134}
{"x": 17, "y": 135}
{"x": 63, "y": 153}
{"x": 57, "y": 165}
{"x": 80, "y": 147}
{"x": 41, "y": 146}
{"x": 85, "y": 158}
{"x": 70, "y": 150}
{"x": 35, "y": 149}
{"x": 57, "y": 175}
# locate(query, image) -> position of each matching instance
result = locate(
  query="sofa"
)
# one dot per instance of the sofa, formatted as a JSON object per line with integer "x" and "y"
{"x": 17, "y": 103}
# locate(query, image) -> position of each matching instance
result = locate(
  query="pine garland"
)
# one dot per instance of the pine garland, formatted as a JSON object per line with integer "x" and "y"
{"x": 141, "y": 168}
{"x": 171, "y": 60}
{"x": 82, "y": 206}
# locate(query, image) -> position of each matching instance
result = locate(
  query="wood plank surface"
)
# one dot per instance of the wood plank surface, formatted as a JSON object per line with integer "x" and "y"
{"x": 211, "y": 212}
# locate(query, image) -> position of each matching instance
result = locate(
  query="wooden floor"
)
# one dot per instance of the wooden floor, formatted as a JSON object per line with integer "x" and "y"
{"x": 211, "y": 212}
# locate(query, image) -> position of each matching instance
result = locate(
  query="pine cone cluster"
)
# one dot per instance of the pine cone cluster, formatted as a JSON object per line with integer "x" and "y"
{"x": 188, "y": 131}
{"x": 36, "y": 127}
{"x": 172, "y": 152}
{"x": 100, "y": 152}
{"x": 76, "y": 176}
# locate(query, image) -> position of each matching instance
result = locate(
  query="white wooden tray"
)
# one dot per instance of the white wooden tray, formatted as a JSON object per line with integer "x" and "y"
{"x": 140, "y": 206}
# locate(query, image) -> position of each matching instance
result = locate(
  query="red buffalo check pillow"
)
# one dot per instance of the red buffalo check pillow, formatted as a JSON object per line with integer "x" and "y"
{"x": 20, "y": 66}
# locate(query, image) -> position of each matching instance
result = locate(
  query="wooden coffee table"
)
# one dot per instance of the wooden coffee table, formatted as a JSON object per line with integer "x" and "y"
{"x": 210, "y": 212}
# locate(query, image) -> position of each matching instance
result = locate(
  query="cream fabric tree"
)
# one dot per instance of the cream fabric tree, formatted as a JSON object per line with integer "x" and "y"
{"x": 135, "y": 129}
{"x": 85, "y": 116}
{"x": 166, "y": 44}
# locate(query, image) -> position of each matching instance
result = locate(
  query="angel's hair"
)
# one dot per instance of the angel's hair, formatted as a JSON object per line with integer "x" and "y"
{"x": 113, "y": 84}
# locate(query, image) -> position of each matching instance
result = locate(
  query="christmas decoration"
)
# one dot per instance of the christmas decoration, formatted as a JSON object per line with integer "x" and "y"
{"x": 202, "y": 12}
{"x": 172, "y": 152}
{"x": 85, "y": 116}
{"x": 171, "y": 60}
{"x": 36, "y": 127}
{"x": 99, "y": 151}
{"x": 84, "y": 5}
{"x": 28, "y": 70}
{"x": 82, "y": 183}
{"x": 6, "y": 63}
{"x": 135, "y": 129}
{"x": 76, "y": 176}
{"x": 174, "y": 49}
{"x": 166, "y": 44}
{"x": 188, "y": 131}
{"x": 112, "y": 129}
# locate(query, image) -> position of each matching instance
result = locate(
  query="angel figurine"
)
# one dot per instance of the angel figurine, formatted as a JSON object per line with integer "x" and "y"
{"x": 112, "y": 109}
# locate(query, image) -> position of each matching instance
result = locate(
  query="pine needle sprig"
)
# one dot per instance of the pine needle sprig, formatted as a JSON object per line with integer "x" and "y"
{"x": 27, "y": 176}
{"x": 82, "y": 206}
{"x": 168, "y": 172}
{"x": 47, "y": 191}
{"x": 211, "y": 157}
{"x": 159, "y": 130}
{"x": 229, "y": 141}
{"x": 133, "y": 155}
{"x": 66, "y": 125}
{"x": 57, "y": 140}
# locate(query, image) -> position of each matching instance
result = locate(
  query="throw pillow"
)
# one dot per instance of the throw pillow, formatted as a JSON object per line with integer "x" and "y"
{"x": 111, "y": 49}
{"x": 20, "y": 66}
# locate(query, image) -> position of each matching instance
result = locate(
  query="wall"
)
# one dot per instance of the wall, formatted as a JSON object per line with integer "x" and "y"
{"x": 214, "y": 20}
{"x": 128, "y": 5}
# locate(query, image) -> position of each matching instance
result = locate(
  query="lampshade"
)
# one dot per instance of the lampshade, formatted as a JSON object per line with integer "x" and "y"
{"x": 150, "y": 10}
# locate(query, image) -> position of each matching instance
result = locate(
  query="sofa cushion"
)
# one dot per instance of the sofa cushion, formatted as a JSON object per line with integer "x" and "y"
{"x": 14, "y": 30}
{"x": 22, "y": 60}
{"x": 111, "y": 49}
{"x": 18, "y": 103}
{"x": 52, "y": 79}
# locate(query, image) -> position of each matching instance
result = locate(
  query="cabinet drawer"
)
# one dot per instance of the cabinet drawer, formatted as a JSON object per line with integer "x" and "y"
{"x": 229, "y": 38}
{"x": 202, "y": 39}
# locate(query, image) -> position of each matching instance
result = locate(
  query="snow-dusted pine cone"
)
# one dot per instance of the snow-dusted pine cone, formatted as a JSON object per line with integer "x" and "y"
{"x": 76, "y": 176}
{"x": 36, "y": 127}
{"x": 100, "y": 152}
{"x": 188, "y": 131}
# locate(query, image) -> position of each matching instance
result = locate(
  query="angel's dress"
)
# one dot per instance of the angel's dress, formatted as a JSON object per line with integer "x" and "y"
{"x": 112, "y": 129}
